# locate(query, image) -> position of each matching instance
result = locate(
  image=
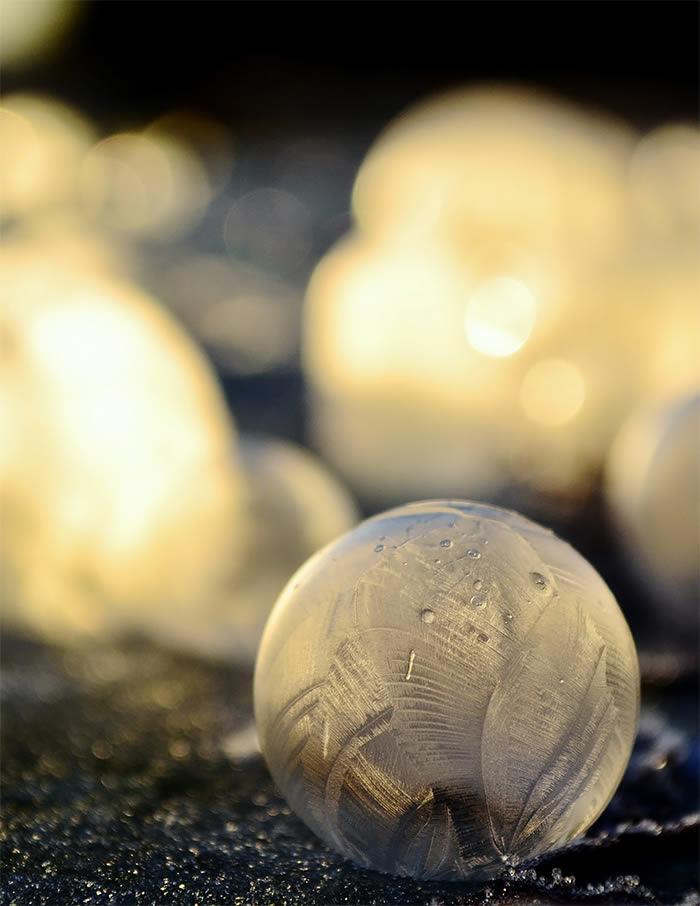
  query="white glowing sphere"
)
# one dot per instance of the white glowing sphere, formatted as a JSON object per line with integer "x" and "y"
{"x": 117, "y": 487}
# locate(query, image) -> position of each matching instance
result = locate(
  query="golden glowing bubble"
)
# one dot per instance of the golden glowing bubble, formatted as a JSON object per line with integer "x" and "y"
{"x": 42, "y": 143}
{"x": 496, "y": 160}
{"x": 664, "y": 178}
{"x": 271, "y": 228}
{"x": 400, "y": 399}
{"x": 204, "y": 137}
{"x": 392, "y": 314}
{"x": 291, "y": 506}
{"x": 151, "y": 187}
{"x": 502, "y": 275}
{"x": 552, "y": 392}
{"x": 500, "y": 316}
{"x": 31, "y": 28}
{"x": 115, "y": 475}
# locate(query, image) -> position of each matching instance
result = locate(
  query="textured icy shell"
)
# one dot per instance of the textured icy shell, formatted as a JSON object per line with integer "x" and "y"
{"x": 446, "y": 686}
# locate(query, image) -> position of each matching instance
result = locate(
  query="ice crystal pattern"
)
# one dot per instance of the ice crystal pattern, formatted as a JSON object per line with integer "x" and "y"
{"x": 423, "y": 733}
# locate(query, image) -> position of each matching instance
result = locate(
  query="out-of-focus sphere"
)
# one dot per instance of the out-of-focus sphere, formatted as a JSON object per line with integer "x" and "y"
{"x": 653, "y": 490}
{"x": 117, "y": 487}
{"x": 290, "y": 506}
{"x": 30, "y": 29}
{"x": 402, "y": 400}
{"x": 664, "y": 184}
{"x": 148, "y": 185}
{"x": 42, "y": 144}
{"x": 447, "y": 688}
{"x": 497, "y": 160}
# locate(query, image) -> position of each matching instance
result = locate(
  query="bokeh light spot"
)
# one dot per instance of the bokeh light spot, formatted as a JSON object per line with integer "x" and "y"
{"x": 500, "y": 316}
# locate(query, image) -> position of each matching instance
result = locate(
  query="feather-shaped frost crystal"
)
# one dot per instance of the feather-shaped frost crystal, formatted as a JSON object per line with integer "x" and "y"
{"x": 447, "y": 688}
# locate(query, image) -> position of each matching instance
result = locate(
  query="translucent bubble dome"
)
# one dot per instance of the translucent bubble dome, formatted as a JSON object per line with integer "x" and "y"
{"x": 447, "y": 688}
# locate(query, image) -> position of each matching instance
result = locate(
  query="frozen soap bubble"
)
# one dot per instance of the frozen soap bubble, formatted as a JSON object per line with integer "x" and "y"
{"x": 652, "y": 489}
{"x": 118, "y": 492}
{"x": 290, "y": 506}
{"x": 447, "y": 688}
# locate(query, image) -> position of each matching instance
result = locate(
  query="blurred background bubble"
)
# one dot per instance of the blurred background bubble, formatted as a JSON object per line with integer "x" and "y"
{"x": 416, "y": 281}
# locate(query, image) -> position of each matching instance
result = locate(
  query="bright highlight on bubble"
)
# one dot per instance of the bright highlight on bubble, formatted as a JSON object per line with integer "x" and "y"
{"x": 500, "y": 316}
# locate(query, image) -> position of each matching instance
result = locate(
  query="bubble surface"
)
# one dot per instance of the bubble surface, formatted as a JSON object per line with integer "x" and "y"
{"x": 440, "y": 747}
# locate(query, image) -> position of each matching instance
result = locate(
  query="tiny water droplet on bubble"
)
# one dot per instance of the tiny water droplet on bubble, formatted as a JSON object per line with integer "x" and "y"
{"x": 473, "y": 554}
{"x": 478, "y": 601}
{"x": 445, "y": 542}
{"x": 427, "y": 615}
{"x": 379, "y": 547}
{"x": 507, "y": 617}
{"x": 539, "y": 580}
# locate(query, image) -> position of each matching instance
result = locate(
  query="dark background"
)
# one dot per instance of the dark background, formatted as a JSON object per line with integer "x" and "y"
{"x": 274, "y": 66}
{"x": 123, "y": 785}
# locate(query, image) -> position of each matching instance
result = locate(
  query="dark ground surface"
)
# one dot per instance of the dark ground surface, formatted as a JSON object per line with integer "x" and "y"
{"x": 130, "y": 776}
